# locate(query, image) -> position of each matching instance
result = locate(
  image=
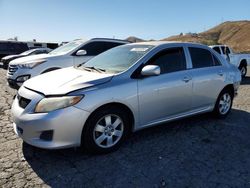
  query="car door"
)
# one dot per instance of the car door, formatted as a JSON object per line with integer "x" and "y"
{"x": 208, "y": 78}
{"x": 168, "y": 94}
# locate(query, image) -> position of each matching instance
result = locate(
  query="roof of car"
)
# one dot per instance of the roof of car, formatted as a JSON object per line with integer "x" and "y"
{"x": 158, "y": 43}
{"x": 111, "y": 39}
{"x": 218, "y": 45}
{"x": 41, "y": 48}
{"x": 104, "y": 39}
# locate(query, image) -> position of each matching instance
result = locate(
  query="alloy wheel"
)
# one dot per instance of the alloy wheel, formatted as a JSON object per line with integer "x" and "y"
{"x": 108, "y": 131}
{"x": 225, "y": 103}
{"x": 243, "y": 71}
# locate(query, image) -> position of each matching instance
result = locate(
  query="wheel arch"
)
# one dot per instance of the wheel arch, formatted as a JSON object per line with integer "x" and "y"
{"x": 229, "y": 87}
{"x": 243, "y": 62}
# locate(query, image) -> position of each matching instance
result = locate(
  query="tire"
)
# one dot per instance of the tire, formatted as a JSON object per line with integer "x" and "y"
{"x": 223, "y": 104}
{"x": 105, "y": 130}
{"x": 243, "y": 70}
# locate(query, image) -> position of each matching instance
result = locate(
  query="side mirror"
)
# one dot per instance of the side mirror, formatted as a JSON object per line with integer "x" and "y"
{"x": 81, "y": 52}
{"x": 151, "y": 70}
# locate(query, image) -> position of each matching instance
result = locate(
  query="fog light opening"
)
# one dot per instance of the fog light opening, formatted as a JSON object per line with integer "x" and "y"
{"x": 46, "y": 135}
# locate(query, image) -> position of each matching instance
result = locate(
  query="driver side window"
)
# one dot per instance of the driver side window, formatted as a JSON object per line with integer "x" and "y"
{"x": 169, "y": 60}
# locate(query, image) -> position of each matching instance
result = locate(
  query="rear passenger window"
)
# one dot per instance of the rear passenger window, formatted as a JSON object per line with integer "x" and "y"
{"x": 95, "y": 48}
{"x": 170, "y": 60}
{"x": 217, "y": 49}
{"x": 201, "y": 57}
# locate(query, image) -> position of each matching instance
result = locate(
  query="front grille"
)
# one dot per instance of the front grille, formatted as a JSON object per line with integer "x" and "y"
{"x": 12, "y": 69}
{"x": 23, "y": 102}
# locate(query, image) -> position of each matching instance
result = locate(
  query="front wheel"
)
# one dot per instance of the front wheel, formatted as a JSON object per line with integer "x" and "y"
{"x": 105, "y": 130}
{"x": 223, "y": 104}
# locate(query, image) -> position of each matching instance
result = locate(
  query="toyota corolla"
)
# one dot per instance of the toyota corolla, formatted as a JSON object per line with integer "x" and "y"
{"x": 97, "y": 104}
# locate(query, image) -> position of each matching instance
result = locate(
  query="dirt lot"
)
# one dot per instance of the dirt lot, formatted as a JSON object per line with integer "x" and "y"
{"x": 195, "y": 152}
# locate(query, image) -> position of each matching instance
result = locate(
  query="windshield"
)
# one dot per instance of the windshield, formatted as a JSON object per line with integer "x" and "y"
{"x": 27, "y": 52}
{"x": 66, "y": 48}
{"x": 118, "y": 59}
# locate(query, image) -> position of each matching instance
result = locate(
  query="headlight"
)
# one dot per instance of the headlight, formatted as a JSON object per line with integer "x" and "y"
{"x": 22, "y": 78}
{"x": 55, "y": 103}
{"x": 32, "y": 64}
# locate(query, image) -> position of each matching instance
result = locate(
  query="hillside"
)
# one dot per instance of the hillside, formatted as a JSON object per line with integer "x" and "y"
{"x": 134, "y": 39}
{"x": 234, "y": 34}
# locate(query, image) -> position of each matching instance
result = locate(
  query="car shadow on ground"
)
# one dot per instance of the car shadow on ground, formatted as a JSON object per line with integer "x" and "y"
{"x": 196, "y": 151}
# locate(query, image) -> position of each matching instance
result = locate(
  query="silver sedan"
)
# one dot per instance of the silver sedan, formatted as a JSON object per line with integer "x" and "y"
{"x": 125, "y": 89}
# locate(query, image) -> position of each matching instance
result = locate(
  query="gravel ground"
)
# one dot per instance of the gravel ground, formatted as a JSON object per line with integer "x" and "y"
{"x": 196, "y": 152}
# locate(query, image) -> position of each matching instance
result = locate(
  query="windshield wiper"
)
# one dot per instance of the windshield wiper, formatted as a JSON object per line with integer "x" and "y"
{"x": 97, "y": 69}
{"x": 94, "y": 68}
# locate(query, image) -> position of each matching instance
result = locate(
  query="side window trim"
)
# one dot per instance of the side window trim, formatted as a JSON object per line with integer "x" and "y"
{"x": 218, "y": 60}
{"x": 189, "y": 64}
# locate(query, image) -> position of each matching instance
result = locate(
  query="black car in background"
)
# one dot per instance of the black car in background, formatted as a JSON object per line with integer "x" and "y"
{"x": 5, "y": 60}
{"x": 12, "y": 48}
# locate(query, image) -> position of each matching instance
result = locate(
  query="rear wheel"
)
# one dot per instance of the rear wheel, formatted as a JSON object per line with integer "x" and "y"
{"x": 105, "y": 130}
{"x": 223, "y": 104}
{"x": 243, "y": 70}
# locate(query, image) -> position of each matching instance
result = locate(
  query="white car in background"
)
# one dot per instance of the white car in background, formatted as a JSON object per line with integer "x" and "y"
{"x": 239, "y": 60}
{"x": 71, "y": 54}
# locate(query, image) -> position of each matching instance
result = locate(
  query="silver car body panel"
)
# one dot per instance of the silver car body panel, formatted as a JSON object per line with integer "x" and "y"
{"x": 152, "y": 100}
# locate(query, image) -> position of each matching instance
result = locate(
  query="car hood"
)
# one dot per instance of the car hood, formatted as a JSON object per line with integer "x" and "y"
{"x": 27, "y": 59}
{"x": 63, "y": 81}
{"x": 11, "y": 56}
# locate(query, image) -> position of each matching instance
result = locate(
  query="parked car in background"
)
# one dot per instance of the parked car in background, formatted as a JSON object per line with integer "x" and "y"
{"x": 125, "y": 89}
{"x": 12, "y": 47}
{"x": 239, "y": 60}
{"x": 71, "y": 54}
{"x": 5, "y": 60}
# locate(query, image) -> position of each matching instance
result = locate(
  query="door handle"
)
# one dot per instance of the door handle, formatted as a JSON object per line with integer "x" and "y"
{"x": 186, "y": 79}
{"x": 220, "y": 73}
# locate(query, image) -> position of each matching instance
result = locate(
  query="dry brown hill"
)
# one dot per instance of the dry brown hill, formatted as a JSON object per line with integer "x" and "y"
{"x": 236, "y": 34}
{"x": 134, "y": 39}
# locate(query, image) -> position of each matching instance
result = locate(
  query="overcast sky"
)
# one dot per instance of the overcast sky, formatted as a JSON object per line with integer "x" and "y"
{"x": 64, "y": 20}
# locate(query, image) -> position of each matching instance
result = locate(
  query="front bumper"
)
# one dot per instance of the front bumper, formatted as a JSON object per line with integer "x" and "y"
{"x": 65, "y": 124}
{"x": 14, "y": 84}
{"x": 14, "y": 73}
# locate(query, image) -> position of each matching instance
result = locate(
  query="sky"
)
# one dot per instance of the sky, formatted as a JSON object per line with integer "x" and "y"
{"x": 65, "y": 20}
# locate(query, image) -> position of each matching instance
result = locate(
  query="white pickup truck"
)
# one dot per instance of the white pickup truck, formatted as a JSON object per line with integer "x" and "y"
{"x": 239, "y": 60}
